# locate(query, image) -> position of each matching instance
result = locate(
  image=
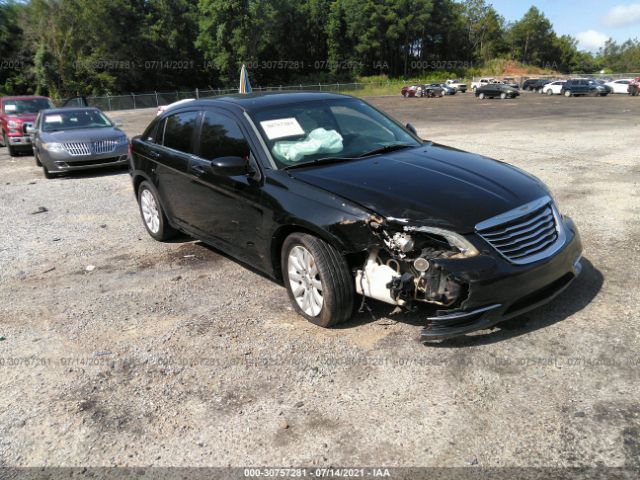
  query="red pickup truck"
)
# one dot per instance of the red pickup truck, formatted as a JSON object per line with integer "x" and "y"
{"x": 16, "y": 114}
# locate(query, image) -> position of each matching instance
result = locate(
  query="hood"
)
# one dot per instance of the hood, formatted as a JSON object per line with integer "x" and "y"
{"x": 429, "y": 185}
{"x": 82, "y": 134}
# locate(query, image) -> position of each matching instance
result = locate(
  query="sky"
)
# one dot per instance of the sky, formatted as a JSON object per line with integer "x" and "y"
{"x": 591, "y": 22}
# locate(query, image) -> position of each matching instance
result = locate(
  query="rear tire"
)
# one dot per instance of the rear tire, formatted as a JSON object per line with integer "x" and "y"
{"x": 153, "y": 217}
{"x": 503, "y": 96}
{"x": 38, "y": 162}
{"x": 317, "y": 279}
{"x": 567, "y": 93}
{"x": 549, "y": 92}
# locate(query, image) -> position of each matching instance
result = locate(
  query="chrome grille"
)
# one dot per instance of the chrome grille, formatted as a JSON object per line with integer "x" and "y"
{"x": 104, "y": 146}
{"x": 96, "y": 147}
{"x": 76, "y": 148}
{"x": 525, "y": 235}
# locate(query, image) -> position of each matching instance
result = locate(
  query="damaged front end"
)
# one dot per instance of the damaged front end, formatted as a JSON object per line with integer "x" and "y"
{"x": 405, "y": 268}
{"x": 473, "y": 287}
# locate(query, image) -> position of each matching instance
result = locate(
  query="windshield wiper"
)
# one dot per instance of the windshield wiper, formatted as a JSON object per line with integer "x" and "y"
{"x": 319, "y": 161}
{"x": 387, "y": 149}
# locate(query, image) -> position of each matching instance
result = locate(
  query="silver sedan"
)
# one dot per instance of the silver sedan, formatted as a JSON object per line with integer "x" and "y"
{"x": 70, "y": 139}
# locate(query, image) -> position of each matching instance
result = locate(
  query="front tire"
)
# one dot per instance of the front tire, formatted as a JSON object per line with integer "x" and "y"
{"x": 38, "y": 162}
{"x": 153, "y": 217}
{"x": 10, "y": 149}
{"x": 317, "y": 279}
{"x": 481, "y": 96}
{"x": 47, "y": 174}
{"x": 503, "y": 96}
{"x": 549, "y": 92}
{"x": 567, "y": 93}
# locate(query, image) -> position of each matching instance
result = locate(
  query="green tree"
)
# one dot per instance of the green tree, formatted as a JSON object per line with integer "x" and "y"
{"x": 532, "y": 39}
{"x": 485, "y": 29}
{"x": 10, "y": 45}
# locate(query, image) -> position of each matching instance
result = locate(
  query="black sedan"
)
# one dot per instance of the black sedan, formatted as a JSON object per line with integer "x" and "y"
{"x": 535, "y": 84}
{"x": 493, "y": 90}
{"x": 333, "y": 198}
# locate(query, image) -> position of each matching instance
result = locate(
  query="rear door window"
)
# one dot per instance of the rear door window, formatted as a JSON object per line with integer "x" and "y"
{"x": 153, "y": 133}
{"x": 179, "y": 131}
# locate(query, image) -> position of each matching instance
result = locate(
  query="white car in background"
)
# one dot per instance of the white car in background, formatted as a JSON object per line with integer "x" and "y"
{"x": 553, "y": 88}
{"x": 162, "y": 108}
{"x": 620, "y": 86}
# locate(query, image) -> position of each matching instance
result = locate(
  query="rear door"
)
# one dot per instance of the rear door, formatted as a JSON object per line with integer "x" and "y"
{"x": 175, "y": 148}
{"x": 583, "y": 86}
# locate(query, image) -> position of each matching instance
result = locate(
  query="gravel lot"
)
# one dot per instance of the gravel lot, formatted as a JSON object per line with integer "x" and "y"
{"x": 119, "y": 350}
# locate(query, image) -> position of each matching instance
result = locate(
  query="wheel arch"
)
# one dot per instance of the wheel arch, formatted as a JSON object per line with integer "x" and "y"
{"x": 284, "y": 231}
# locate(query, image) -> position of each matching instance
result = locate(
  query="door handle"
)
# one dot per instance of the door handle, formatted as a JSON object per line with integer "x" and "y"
{"x": 154, "y": 154}
{"x": 199, "y": 170}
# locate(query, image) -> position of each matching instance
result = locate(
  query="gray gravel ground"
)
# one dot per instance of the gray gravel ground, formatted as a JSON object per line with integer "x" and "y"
{"x": 175, "y": 355}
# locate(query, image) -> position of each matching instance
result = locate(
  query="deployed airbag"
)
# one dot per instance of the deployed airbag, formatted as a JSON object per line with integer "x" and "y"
{"x": 317, "y": 141}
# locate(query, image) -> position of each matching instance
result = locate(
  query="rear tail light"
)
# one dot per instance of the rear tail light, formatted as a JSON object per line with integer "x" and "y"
{"x": 129, "y": 148}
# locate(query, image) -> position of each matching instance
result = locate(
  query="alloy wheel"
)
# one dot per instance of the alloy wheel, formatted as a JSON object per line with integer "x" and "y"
{"x": 304, "y": 279}
{"x": 150, "y": 211}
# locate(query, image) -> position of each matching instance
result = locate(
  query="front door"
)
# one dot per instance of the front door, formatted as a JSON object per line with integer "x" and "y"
{"x": 228, "y": 210}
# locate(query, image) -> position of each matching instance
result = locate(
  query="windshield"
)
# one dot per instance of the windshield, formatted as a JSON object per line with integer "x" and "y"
{"x": 311, "y": 131}
{"x": 32, "y": 105}
{"x": 73, "y": 119}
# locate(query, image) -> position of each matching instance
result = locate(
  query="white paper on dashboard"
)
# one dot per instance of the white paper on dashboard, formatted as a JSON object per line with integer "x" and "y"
{"x": 53, "y": 119}
{"x": 282, "y": 127}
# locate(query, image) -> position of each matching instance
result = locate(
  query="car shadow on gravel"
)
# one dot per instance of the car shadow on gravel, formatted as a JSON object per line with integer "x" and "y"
{"x": 580, "y": 294}
{"x": 583, "y": 290}
{"x": 97, "y": 173}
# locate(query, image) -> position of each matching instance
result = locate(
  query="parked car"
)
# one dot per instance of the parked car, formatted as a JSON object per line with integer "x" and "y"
{"x": 411, "y": 91}
{"x": 634, "y": 87}
{"x": 608, "y": 88}
{"x": 162, "y": 108}
{"x": 553, "y": 88}
{"x": 433, "y": 90}
{"x": 447, "y": 89}
{"x": 511, "y": 82}
{"x": 68, "y": 139}
{"x": 535, "y": 84}
{"x": 620, "y": 86}
{"x": 331, "y": 197}
{"x": 494, "y": 90}
{"x": 16, "y": 115}
{"x": 583, "y": 86}
{"x": 458, "y": 85}
{"x": 482, "y": 82}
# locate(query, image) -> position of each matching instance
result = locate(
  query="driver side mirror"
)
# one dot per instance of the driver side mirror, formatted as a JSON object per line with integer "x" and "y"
{"x": 117, "y": 123}
{"x": 230, "y": 166}
{"x": 412, "y": 129}
{"x": 30, "y": 130}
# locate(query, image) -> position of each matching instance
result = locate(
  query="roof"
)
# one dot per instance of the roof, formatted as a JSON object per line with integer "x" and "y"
{"x": 68, "y": 109}
{"x": 256, "y": 101}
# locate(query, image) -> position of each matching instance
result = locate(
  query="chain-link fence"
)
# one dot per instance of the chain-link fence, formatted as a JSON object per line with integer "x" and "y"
{"x": 156, "y": 99}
